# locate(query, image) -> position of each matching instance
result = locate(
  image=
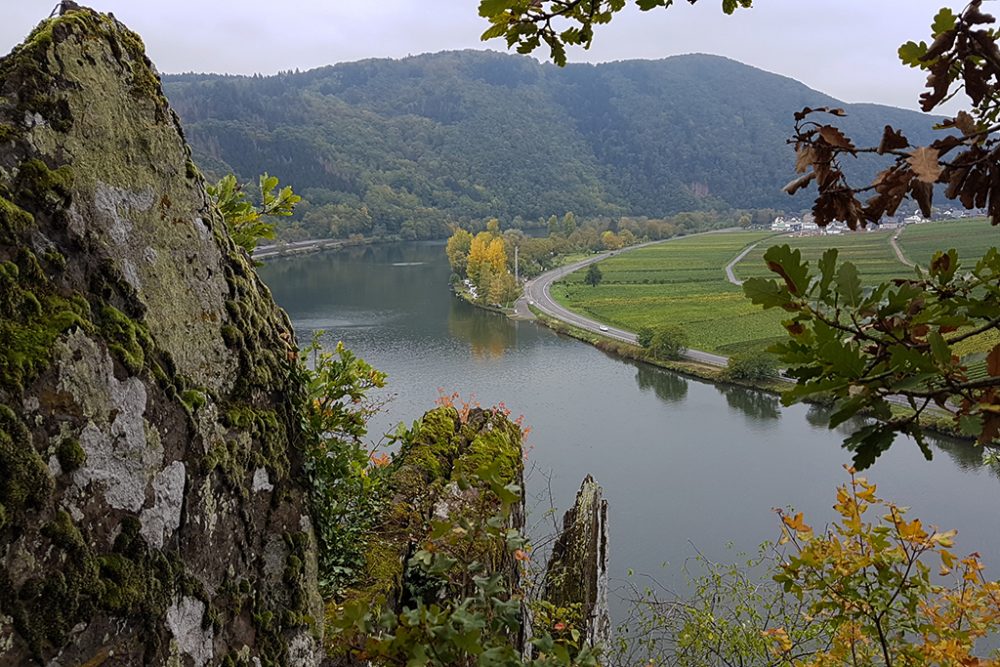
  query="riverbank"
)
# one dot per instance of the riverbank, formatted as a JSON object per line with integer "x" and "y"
{"x": 937, "y": 423}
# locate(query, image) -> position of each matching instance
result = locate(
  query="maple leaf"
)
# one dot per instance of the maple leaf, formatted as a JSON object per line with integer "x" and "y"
{"x": 924, "y": 162}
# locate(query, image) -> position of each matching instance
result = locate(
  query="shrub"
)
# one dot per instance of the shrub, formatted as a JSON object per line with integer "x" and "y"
{"x": 669, "y": 341}
{"x": 751, "y": 367}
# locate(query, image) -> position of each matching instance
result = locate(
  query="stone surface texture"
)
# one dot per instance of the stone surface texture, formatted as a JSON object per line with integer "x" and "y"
{"x": 152, "y": 509}
{"x": 577, "y": 573}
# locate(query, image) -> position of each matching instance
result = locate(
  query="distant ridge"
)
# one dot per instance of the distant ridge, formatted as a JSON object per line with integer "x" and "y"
{"x": 412, "y": 144}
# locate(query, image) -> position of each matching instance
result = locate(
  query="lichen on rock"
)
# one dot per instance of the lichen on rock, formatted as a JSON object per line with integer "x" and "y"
{"x": 148, "y": 404}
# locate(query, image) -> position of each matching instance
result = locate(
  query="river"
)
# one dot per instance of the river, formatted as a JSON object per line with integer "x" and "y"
{"x": 685, "y": 464}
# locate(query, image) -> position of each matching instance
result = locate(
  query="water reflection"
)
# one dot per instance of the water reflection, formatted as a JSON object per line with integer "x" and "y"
{"x": 757, "y": 405}
{"x": 488, "y": 338}
{"x": 668, "y": 387}
{"x": 967, "y": 456}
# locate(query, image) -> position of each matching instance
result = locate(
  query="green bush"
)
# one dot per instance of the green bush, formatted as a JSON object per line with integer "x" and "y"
{"x": 751, "y": 367}
{"x": 668, "y": 341}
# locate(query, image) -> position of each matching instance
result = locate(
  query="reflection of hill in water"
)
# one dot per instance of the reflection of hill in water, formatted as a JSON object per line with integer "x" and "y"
{"x": 479, "y": 328}
{"x": 966, "y": 455}
{"x": 667, "y": 386}
{"x": 754, "y": 404}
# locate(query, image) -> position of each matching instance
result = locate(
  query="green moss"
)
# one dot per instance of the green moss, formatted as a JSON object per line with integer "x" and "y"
{"x": 193, "y": 399}
{"x": 70, "y": 454}
{"x": 236, "y": 456}
{"x": 192, "y": 171}
{"x": 499, "y": 445}
{"x": 7, "y": 133}
{"x": 42, "y": 188}
{"x": 30, "y": 323}
{"x": 14, "y": 221}
{"x": 428, "y": 454}
{"x": 48, "y": 607}
{"x": 127, "y": 339}
{"x": 24, "y": 478}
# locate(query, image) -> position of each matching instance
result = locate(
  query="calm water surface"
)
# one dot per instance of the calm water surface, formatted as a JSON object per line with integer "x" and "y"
{"x": 684, "y": 464}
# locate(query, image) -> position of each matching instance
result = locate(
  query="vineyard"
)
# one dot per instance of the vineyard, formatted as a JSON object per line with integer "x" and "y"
{"x": 971, "y": 238}
{"x": 683, "y": 281}
{"x": 870, "y": 252}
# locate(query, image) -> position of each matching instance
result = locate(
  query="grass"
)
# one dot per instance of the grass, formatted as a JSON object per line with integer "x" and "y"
{"x": 681, "y": 281}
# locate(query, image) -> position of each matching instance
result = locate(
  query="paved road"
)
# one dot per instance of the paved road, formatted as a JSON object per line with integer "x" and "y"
{"x": 730, "y": 276}
{"x": 295, "y": 248}
{"x": 537, "y": 291}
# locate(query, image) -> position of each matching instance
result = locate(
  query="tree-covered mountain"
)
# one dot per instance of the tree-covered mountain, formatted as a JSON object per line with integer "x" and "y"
{"x": 406, "y": 146}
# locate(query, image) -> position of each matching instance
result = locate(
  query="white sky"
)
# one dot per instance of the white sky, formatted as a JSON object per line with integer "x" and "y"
{"x": 846, "y": 48}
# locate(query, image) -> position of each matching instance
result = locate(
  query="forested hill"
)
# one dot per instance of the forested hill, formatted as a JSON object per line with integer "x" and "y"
{"x": 408, "y": 145}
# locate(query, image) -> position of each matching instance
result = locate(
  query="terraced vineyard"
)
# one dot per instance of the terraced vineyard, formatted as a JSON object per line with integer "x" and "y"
{"x": 870, "y": 252}
{"x": 683, "y": 282}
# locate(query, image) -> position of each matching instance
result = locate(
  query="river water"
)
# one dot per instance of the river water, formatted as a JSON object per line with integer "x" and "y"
{"x": 685, "y": 465}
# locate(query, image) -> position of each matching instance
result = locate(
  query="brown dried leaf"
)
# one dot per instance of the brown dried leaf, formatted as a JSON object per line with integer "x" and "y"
{"x": 805, "y": 157}
{"x": 836, "y": 138}
{"x": 966, "y": 123}
{"x": 892, "y": 139}
{"x": 799, "y": 183}
{"x": 922, "y": 193}
{"x": 924, "y": 162}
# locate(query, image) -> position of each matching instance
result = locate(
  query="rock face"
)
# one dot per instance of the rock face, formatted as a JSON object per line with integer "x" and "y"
{"x": 151, "y": 503}
{"x": 577, "y": 572}
{"x": 435, "y": 477}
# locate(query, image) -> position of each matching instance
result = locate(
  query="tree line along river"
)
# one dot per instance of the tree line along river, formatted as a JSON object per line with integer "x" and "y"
{"x": 685, "y": 465}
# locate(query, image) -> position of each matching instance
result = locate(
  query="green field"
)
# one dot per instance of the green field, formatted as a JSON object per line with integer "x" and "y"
{"x": 971, "y": 238}
{"x": 681, "y": 281}
{"x": 870, "y": 252}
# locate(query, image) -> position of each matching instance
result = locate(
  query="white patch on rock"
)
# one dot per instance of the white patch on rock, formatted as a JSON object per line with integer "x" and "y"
{"x": 184, "y": 618}
{"x": 302, "y": 650}
{"x": 261, "y": 480}
{"x": 149, "y": 254}
{"x": 54, "y": 468}
{"x": 161, "y": 520}
{"x": 120, "y": 457}
{"x": 31, "y": 404}
{"x": 203, "y": 230}
{"x": 209, "y": 513}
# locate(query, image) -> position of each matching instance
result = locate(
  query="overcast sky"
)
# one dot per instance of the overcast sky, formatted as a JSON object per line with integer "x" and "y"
{"x": 846, "y": 48}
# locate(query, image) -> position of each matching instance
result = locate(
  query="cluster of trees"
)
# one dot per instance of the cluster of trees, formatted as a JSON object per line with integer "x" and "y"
{"x": 482, "y": 259}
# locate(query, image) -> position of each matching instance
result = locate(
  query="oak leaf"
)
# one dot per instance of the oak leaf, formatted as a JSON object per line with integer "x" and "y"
{"x": 805, "y": 157}
{"x": 924, "y": 162}
{"x": 836, "y": 138}
{"x": 892, "y": 139}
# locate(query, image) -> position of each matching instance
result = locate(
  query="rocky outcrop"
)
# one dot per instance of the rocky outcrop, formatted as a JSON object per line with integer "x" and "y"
{"x": 577, "y": 572}
{"x": 151, "y": 508}
{"x": 448, "y": 470}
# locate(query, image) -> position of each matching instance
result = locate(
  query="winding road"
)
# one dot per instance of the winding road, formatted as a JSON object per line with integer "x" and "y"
{"x": 536, "y": 292}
